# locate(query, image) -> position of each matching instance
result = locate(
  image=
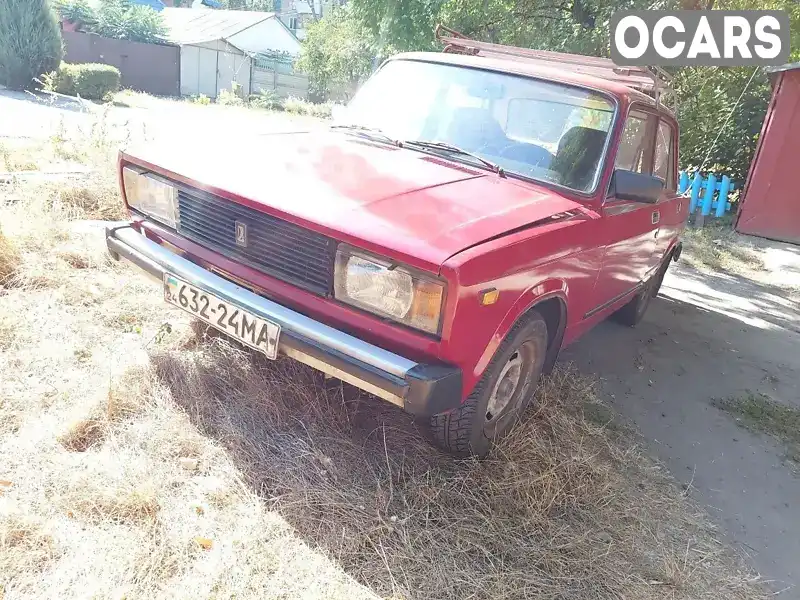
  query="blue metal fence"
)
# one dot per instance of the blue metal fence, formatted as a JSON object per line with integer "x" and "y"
{"x": 709, "y": 194}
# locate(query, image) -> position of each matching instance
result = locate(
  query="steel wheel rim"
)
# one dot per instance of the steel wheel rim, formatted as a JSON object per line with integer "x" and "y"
{"x": 505, "y": 394}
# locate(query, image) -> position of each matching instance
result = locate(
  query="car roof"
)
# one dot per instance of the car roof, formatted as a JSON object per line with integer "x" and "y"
{"x": 530, "y": 69}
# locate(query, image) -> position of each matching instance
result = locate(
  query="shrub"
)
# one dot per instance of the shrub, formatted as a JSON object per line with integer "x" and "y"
{"x": 265, "y": 99}
{"x": 200, "y": 99}
{"x": 230, "y": 97}
{"x": 30, "y": 42}
{"x": 298, "y": 106}
{"x": 92, "y": 81}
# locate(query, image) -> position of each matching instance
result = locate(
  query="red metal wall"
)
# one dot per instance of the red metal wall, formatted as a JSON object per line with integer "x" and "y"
{"x": 771, "y": 204}
{"x": 151, "y": 68}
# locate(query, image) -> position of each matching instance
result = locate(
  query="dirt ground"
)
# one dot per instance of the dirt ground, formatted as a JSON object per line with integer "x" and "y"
{"x": 713, "y": 335}
{"x": 176, "y": 460}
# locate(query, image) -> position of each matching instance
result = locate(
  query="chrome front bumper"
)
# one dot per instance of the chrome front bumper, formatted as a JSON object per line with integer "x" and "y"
{"x": 419, "y": 388}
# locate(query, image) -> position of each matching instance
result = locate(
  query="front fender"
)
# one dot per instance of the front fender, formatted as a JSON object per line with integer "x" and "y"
{"x": 546, "y": 290}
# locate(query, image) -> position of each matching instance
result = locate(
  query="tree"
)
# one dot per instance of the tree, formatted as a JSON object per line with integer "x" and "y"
{"x": 30, "y": 42}
{"x": 78, "y": 12}
{"x": 706, "y": 95}
{"x": 721, "y": 109}
{"x": 119, "y": 19}
{"x": 338, "y": 53}
{"x": 123, "y": 20}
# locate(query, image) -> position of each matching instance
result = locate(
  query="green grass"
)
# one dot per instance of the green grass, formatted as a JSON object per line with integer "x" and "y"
{"x": 758, "y": 412}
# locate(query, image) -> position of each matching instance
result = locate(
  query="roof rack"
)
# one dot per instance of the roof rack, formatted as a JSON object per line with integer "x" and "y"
{"x": 653, "y": 81}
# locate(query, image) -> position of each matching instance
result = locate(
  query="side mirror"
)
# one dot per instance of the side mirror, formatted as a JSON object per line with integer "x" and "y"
{"x": 627, "y": 185}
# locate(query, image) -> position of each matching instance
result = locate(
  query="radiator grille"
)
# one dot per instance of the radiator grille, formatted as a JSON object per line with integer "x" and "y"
{"x": 273, "y": 246}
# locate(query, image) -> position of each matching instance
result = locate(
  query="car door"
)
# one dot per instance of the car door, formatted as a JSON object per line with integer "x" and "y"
{"x": 672, "y": 208}
{"x": 630, "y": 228}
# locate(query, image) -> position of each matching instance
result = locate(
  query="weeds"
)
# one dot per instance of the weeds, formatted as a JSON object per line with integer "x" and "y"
{"x": 200, "y": 99}
{"x": 265, "y": 99}
{"x": 720, "y": 249}
{"x": 758, "y": 412}
{"x": 299, "y": 106}
{"x": 10, "y": 259}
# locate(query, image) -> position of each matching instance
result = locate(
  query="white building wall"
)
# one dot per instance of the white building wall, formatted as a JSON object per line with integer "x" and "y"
{"x": 267, "y": 36}
{"x": 209, "y": 67}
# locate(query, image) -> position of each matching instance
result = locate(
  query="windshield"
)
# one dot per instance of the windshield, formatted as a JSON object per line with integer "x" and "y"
{"x": 537, "y": 129}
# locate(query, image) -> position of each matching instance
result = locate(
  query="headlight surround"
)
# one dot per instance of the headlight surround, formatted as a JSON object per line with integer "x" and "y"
{"x": 151, "y": 195}
{"x": 387, "y": 289}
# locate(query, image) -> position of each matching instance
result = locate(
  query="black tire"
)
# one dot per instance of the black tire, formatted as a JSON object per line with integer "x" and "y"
{"x": 469, "y": 429}
{"x": 633, "y": 312}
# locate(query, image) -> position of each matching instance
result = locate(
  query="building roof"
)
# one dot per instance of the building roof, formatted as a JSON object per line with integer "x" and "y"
{"x": 197, "y": 25}
{"x": 156, "y": 5}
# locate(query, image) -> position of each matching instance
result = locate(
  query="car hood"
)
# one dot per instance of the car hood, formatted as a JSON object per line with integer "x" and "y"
{"x": 412, "y": 206}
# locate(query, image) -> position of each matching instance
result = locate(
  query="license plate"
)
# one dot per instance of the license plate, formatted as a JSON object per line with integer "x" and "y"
{"x": 240, "y": 324}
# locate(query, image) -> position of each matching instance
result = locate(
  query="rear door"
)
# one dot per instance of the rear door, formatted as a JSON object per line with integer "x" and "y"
{"x": 672, "y": 208}
{"x": 630, "y": 228}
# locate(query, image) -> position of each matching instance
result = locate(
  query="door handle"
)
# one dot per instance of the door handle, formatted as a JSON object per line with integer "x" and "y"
{"x": 655, "y": 217}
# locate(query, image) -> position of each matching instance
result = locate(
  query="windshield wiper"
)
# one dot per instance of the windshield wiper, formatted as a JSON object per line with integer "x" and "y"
{"x": 453, "y": 149}
{"x": 368, "y": 132}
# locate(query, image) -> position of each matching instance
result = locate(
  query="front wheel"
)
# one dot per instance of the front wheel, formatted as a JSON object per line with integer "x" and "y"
{"x": 501, "y": 395}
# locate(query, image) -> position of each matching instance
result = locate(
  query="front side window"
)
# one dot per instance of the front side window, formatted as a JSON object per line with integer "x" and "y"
{"x": 631, "y": 148}
{"x": 536, "y": 129}
{"x": 663, "y": 160}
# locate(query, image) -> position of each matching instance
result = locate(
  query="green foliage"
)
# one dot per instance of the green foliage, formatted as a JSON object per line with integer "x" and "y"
{"x": 91, "y": 81}
{"x": 124, "y": 21}
{"x": 118, "y": 19}
{"x": 200, "y": 99}
{"x": 230, "y": 97}
{"x": 706, "y": 95}
{"x": 337, "y": 53}
{"x": 78, "y": 12}
{"x": 265, "y": 99}
{"x": 30, "y": 42}
{"x": 298, "y": 106}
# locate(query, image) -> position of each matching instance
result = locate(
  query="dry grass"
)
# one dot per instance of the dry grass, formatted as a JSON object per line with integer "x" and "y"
{"x": 9, "y": 260}
{"x": 185, "y": 467}
{"x": 719, "y": 248}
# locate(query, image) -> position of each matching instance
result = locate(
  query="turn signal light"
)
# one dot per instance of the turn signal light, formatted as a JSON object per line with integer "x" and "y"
{"x": 489, "y": 296}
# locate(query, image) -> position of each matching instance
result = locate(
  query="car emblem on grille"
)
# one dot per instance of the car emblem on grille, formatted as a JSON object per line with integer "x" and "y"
{"x": 241, "y": 234}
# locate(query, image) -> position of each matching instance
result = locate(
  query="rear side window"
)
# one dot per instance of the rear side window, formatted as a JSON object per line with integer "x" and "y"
{"x": 630, "y": 152}
{"x": 663, "y": 162}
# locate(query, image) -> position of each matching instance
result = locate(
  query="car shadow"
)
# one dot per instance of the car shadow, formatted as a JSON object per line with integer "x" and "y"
{"x": 347, "y": 471}
{"x": 707, "y": 337}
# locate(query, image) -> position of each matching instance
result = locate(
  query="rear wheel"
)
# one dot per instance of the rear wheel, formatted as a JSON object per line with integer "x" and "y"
{"x": 501, "y": 395}
{"x": 633, "y": 312}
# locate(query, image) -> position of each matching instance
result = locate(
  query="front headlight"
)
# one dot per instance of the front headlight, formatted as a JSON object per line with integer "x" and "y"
{"x": 151, "y": 195}
{"x": 388, "y": 290}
